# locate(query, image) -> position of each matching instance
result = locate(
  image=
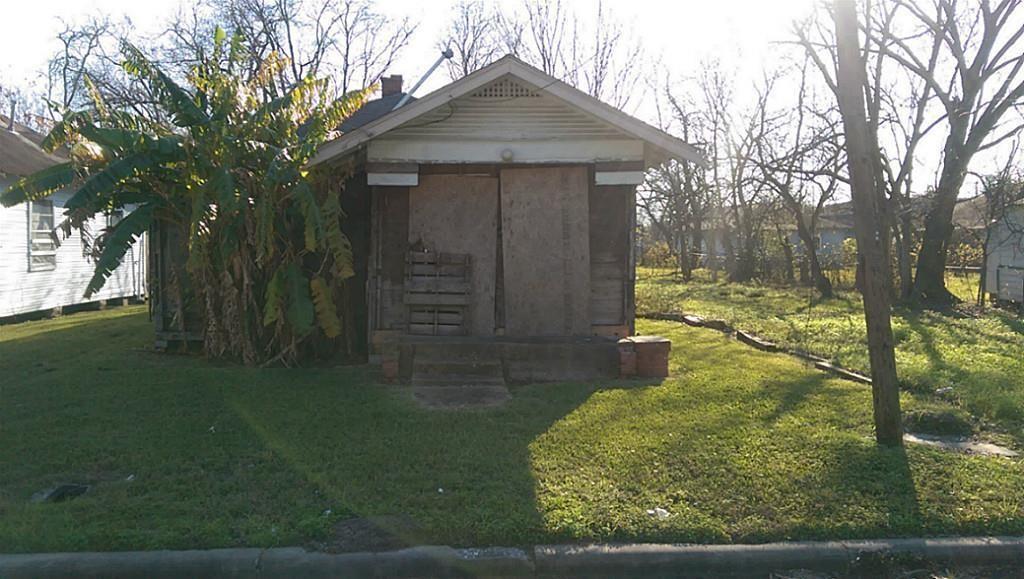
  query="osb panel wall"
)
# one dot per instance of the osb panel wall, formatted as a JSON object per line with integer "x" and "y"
{"x": 458, "y": 214}
{"x": 610, "y": 208}
{"x": 546, "y": 250}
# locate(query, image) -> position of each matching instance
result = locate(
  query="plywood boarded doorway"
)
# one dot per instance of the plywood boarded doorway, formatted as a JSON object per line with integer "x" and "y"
{"x": 458, "y": 214}
{"x": 546, "y": 251}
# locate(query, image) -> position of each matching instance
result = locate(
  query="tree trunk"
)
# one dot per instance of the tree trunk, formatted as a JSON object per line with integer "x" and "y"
{"x": 905, "y": 260}
{"x": 684, "y": 258}
{"x": 697, "y": 243}
{"x": 930, "y": 281}
{"x": 983, "y": 278}
{"x": 871, "y": 226}
{"x": 787, "y": 254}
{"x": 821, "y": 282}
{"x": 713, "y": 254}
{"x": 730, "y": 252}
{"x": 745, "y": 264}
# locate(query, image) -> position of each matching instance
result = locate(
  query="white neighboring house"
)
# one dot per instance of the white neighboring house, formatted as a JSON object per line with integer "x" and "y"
{"x": 36, "y": 273}
{"x": 1004, "y": 278}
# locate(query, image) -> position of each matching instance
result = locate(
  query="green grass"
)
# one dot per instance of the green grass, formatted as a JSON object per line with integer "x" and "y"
{"x": 738, "y": 446}
{"x": 982, "y": 358}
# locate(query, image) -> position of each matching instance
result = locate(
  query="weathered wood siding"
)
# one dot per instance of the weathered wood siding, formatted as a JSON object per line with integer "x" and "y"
{"x": 176, "y": 312}
{"x": 610, "y": 210}
{"x": 22, "y": 291}
{"x": 546, "y": 250}
{"x": 390, "y": 244}
{"x": 355, "y": 202}
{"x": 1004, "y": 277}
{"x": 459, "y": 214}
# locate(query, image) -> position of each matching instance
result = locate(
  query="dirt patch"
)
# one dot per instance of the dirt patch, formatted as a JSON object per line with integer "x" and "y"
{"x": 461, "y": 397}
{"x": 942, "y": 423}
{"x": 383, "y": 533}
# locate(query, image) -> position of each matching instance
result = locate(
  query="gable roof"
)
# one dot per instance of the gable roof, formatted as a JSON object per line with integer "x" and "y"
{"x": 510, "y": 66}
{"x": 20, "y": 153}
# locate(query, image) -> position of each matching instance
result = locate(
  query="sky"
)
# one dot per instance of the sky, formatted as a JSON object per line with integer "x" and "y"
{"x": 743, "y": 35}
{"x": 679, "y": 32}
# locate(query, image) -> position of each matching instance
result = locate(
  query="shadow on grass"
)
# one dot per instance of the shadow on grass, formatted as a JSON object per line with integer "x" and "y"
{"x": 462, "y": 477}
{"x": 928, "y": 342}
{"x": 737, "y": 445}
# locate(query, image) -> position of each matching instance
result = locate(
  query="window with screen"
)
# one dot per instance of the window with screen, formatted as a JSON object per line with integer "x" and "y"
{"x": 42, "y": 249}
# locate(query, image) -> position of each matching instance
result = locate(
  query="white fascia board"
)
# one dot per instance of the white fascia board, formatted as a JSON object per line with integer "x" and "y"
{"x": 393, "y": 179}
{"x": 618, "y": 177}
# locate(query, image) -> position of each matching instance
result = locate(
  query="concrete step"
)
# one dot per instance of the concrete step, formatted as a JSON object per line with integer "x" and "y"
{"x": 439, "y": 369}
{"x": 458, "y": 352}
{"x": 440, "y": 380}
{"x": 431, "y": 366}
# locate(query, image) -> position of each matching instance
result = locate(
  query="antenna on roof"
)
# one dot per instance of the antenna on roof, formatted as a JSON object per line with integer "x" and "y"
{"x": 445, "y": 55}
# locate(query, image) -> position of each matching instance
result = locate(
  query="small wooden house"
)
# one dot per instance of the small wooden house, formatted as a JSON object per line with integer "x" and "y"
{"x": 500, "y": 208}
{"x": 491, "y": 224}
{"x": 38, "y": 274}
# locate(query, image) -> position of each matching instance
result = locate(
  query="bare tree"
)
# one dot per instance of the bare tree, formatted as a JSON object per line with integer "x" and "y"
{"x": 676, "y": 198}
{"x": 88, "y": 53}
{"x": 970, "y": 57}
{"x": 348, "y": 39}
{"x": 601, "y": 56}
{"x": 870, "y": 222}
{"x": 744, "y": 204}
{"x": 472, "y": 36}
{"x": 798, "y": 155}
{"x": 21, "y": 103}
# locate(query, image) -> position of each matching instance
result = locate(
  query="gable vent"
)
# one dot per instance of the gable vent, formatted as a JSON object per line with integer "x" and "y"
{"x": 505, "y": 88}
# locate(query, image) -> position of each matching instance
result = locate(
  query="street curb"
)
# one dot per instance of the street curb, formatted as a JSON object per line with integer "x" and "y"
{"x": 286, "y": 562}
{"x": 652, "y": 560}
{"x": 603, "y": 560}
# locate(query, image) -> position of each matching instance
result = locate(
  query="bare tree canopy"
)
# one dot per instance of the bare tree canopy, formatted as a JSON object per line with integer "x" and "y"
{"x": 600, "y": 56}
{"x": 349, "y": 41}
{"x": 798, "y": 157}
{"x": 970, "y": 58}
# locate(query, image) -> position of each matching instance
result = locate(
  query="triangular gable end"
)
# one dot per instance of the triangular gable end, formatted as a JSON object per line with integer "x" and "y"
{"x": 513, "y": 100}
{"x": 506, "y": 110}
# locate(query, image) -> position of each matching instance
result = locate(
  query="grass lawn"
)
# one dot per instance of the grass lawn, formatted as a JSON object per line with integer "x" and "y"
{"x": 982, "y": 359}
{"x": 738, "y": 446}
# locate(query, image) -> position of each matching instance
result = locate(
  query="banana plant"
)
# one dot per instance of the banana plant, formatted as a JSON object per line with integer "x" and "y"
{"x": 225, "y": 160}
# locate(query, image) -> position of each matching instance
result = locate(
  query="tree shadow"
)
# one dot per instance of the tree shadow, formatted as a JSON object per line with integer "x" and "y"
{"x": 928, "y": 342}
{"x": 738, "y": 445}
{"x": 460, "y": 477}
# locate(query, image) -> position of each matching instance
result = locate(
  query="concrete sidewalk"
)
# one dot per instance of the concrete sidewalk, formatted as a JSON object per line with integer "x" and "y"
{"x": 627, "y": 560}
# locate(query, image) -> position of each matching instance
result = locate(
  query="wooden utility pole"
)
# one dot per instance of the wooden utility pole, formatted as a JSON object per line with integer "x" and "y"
{"x": 870, "y": 224}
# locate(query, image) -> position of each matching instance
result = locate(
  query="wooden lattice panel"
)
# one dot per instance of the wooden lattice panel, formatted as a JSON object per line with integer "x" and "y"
{"x": 437, "y": 293}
